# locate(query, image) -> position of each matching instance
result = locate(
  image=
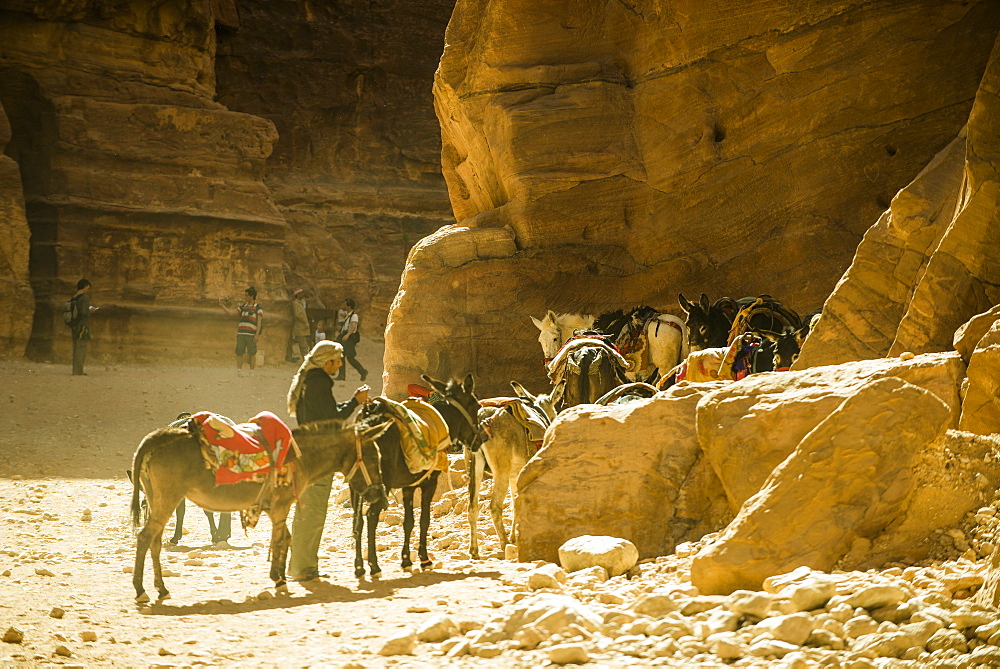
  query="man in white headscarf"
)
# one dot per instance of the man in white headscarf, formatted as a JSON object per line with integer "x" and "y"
{"x": 310, "y": 398}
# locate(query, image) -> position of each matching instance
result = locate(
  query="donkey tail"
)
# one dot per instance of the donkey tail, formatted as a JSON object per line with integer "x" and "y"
{"x": 136, "y": 473}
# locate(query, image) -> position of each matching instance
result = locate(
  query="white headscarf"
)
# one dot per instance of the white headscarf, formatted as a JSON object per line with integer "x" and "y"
{"x": 321, "y": 353}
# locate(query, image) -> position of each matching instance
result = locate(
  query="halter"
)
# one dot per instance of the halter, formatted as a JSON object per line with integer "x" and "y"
{"x": 359, "y": 463}
{"x": 473, "y": 425}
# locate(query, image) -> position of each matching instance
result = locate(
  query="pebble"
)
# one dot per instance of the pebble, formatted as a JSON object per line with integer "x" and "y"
{"x": 13, "y": 635}
{"x": 57, "y": 612}
{"x": 88, "y": 636}
{"x": 43, "y": 572}
{"x": 569, "y": 653}
{"x": 63, "y": 651}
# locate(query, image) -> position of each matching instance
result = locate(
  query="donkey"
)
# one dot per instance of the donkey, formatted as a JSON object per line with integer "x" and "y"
{"x": 664, "y": 337}
{"x": 589, "y": 372}
{"x": 708, "y": 324}
{"x": 505, "y": 447}
{"x": 457, "y": 403}
{"x": 556, "y": 329}
{"x": 169, "y": 466}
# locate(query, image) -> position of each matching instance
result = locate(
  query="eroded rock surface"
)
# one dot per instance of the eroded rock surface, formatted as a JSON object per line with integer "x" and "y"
{"x": 634, "y": 150}
{"x": 15, "y": 287}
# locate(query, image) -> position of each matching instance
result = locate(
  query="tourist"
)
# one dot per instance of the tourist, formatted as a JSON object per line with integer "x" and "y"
{"x": 310, "y": 398}
{"x": 349, "y": 337}
{"x": 320, "y": 333}
{"x": 248, "y": 329}
{"x": 80, "y": 327}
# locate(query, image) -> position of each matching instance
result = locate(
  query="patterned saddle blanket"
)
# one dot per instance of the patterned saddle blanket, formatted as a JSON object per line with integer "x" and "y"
{"x": 424, "y": 435}
{"x": 243, "y": 452}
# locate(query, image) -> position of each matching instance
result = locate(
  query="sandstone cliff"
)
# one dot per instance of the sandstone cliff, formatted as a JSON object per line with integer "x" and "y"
{"x": 599, "y": 156}
{"x": 15, "y": 288}
{"x": 356, "y": 169}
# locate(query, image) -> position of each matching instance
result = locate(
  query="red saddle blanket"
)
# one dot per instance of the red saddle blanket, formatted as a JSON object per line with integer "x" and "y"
{"x": 237, "y": 452}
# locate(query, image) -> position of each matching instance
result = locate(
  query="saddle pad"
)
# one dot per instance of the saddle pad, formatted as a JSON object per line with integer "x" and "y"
{"x": 557, "y": 366}
{"x": 236, "y": 452}
{"x": 423, "y": 433}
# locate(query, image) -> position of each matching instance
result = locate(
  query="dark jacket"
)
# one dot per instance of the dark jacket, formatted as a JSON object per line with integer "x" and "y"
{"x": 317, "y": 401}
{"x": 81, "y": 328}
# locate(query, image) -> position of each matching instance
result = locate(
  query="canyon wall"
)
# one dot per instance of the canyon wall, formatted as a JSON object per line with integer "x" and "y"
{"x": 602, "y": 155}
{"x": 356, "y": 169}
{"x": 175, "y": 151}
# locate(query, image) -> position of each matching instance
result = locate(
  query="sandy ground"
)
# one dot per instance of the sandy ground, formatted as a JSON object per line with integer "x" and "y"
{"x": 67, "y": 443}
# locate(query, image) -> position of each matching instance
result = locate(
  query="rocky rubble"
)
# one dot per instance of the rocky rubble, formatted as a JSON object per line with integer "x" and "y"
{"x": 917, "y": 616}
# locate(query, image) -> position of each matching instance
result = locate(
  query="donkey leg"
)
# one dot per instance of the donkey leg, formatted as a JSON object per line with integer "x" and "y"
{"x": 501, "y": 481}
{"x": 358, "y": 526}
{"x": 281, "y": 538}
{"x": 154, "y": 549}
{"x": 408, "y": 523}
{"x": 178, "y": 523}
{"x": 426, "y": 497}
{"x": 373, "y": 513}
{"x": 474, "y": 466}
{"x": 143, "y": 541}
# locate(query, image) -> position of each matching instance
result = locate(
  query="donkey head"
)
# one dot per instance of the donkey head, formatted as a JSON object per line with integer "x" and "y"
{"x": 786, "y": 348}
{"x": 698, "y": 321}
{"x": 366, "y": 475}
{"x": 549, "y": 336}
{"x": 459, "y": 407}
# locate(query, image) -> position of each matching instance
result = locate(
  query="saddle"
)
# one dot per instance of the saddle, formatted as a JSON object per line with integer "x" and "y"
{"x": 533, "y": 421}
{"x": 778, "y": 318}
{"x": 252, "y": 451}
{"x": 423, "y": 434}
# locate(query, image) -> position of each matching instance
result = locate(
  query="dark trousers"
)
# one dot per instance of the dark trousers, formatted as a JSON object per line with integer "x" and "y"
{"x": 79, "y": 355}
{"x": 350, "y": 351}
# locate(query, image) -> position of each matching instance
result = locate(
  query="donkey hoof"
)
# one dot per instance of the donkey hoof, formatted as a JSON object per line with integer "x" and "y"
{"x": 426, "y": 565}
{"x": 163, "y": 594}
{"x": 142, "y": 598}
{"x": 359, "y": 572}
{"x": 281, "y": 588}
{"x": 376, "y": 575}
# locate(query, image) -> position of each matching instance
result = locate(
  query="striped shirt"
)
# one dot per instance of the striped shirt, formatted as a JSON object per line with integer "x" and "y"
{"x": 250, "y": 319}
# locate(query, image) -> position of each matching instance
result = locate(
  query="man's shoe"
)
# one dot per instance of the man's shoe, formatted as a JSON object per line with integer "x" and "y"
{"x": 364, "y": 375}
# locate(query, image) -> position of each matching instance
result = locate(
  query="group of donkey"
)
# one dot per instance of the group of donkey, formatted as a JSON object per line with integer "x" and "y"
{"x": 169, "y": 466}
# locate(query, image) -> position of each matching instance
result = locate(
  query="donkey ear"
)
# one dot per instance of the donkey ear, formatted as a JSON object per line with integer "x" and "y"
{"x": 551, "y": 316}
{"x": 705, "y": 304}
{"x": 538, "y": 324}
{"x": 521, "y": 391}
{"x": 685, "y": 306}
{"x": 468, "y": 383}
{"x": 437, "y": 385}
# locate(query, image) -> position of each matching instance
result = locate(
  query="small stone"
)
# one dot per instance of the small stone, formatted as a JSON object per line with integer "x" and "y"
{"x": 13, "y": 635}
{"x": 57, "y": 612}
{"x": 793, "y": 629}
{"x": 616, "y": 555}
{"x": 88, "y": 636}
{"x": 947, "y": 639}
{"x": 771, "y": 647}
{"x": 6, "y": 572}
{"x": 546, "y": 576}
{"x": 437, "y": 629}
{"x": 486, "y": 650}
{"x": 876, "y": 596}
{"x": 418, "y": 609}
{"x": 568, "y": 653}
{"x": 401, "y": 644}
{"x": 63, "y": 651}
{"x": 165, "y": 651}
{"x": 43, "y": 572}
{"x": 264, "y": 595}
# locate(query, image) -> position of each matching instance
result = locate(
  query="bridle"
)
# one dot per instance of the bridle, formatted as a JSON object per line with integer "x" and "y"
{"x": 473, "y": 425}
{"x": 359, "y": 463}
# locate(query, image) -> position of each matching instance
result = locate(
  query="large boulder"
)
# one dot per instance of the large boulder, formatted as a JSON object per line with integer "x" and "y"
{"x": 849, "y": 478}
{"x": 615, "y": 555}
{"x": 748, "y": 428}
{"x": 609, "y": 470}
{"x": 632, "y": 150}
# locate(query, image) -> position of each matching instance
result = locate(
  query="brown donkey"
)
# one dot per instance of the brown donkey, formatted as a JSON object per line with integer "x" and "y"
{"x": 170, "y": 468}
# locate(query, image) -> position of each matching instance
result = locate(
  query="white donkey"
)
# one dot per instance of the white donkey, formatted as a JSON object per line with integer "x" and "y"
{"x": 511, "y": 439}
{"x": 664, "y": 337}
{"x": 556, "y": 329}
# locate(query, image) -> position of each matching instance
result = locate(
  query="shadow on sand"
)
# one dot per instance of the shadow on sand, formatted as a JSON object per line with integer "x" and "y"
{"x": 318, "y": 591}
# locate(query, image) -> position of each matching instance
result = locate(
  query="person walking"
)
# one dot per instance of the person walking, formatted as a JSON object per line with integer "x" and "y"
{"x": 248, "y": 330}
{"x": 349, "y": 337}
{"x": 80, "y": 327}
{"x": 310, "y": 398}
{"x": 300, "y": 335}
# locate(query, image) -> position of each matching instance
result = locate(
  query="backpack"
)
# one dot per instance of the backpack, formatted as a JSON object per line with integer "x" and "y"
{"x": 69, "y": 314}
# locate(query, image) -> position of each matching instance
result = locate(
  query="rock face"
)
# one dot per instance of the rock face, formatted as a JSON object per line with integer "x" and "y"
{"x": 356, "y": 168}
{"x": 930, "y": 262}
{"x": 747, "y": 429}
{"x": 608, "y": 470}
{"x": 981, "y": 407}
{"x": 15, "y": 288}
{"x": 849, "y": 477}
{"x": 619, "y": 153}
{"x": 313, "y": 163}
{"x": 134, "y": 177}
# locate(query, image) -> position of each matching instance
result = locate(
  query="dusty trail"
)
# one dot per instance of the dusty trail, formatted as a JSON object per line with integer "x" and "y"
{"x": 67, "y": 443}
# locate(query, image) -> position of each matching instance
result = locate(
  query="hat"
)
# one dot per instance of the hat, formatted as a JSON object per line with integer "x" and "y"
{"x": 296, "y": 291}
